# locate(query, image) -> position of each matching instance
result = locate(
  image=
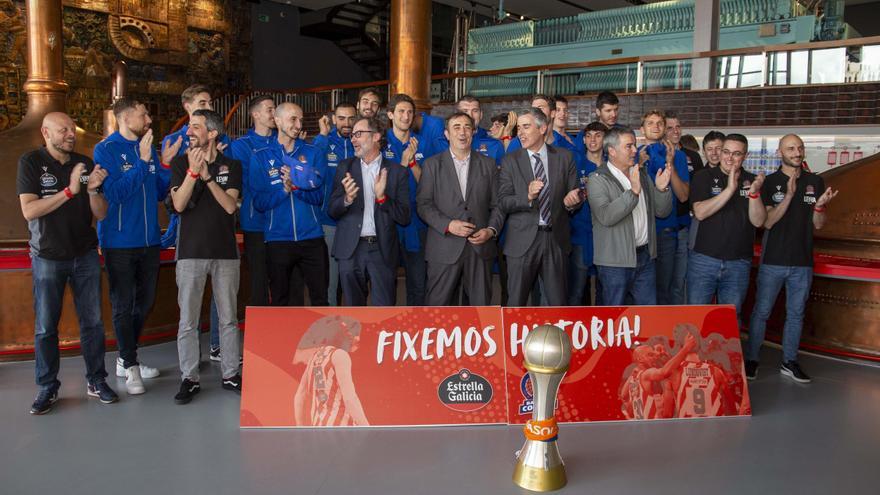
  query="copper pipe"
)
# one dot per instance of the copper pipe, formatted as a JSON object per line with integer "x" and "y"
{"x": 45, "y": 86}
{"x": 411, "y": 50}
{"x": 118, "y": 92}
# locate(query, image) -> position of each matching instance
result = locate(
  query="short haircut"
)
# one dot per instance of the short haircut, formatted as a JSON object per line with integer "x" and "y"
{"x": 612, "y": 137}
{"x": 370, "y": 91}
{"x": 739, "y": 138}
{"x": 501, "y": 117}
{"x": 654, "y": 111}
{"x": 257, "y": 101}
{"x": 374, "y": 125}
{"x": 713, "y": 136}
{"x": 671, "y": 114}
{"x": 344, "y": 104}
{"x": 122, "y": 105}
{"x": 540, "y": 118}
{"x": 688, "y": 141}
{"x": 595, "y": 126}
{"x": 606, "y": 98}
{"x": 457, "y": 115}
{"x": 213, "y": 120}
{"x": 398, "y": 99}
{"x": 549, "y": 99}
{"x": 467, "y": 99}
{"x": 562, "y": 99}
{"x": 189, "y": 94}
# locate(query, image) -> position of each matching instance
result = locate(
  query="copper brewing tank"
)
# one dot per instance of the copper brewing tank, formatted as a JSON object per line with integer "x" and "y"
{"x": 46, "y": 92}
{"x": 120, "y": 79}
{"x": 410, "y": 70}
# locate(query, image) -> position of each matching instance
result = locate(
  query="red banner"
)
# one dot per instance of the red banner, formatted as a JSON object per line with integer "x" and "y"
{"x": 400, "y": 366}
{"x": 393, "y": 366}
{"x": 639, "y": 362}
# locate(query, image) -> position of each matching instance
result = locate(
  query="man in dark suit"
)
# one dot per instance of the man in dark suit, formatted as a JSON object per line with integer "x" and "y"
{"x": 537, "y": 190}
{"x": 457, "y": 198}
{"x": 370, "y": 197}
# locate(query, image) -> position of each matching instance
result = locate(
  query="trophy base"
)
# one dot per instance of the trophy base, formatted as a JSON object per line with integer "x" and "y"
{"x": 539, "y": 480}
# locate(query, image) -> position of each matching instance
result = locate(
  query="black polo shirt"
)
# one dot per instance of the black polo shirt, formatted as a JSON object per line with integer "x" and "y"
{"x": 790, "y": 241}
{"x": 695, "y": 164}
{"x": 67, "y": 232}
{"x": 728, "y": 234}
{"x": 206, "y": 231}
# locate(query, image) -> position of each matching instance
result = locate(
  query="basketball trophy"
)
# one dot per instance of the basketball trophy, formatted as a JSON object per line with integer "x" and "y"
{"x": 546, "y": 356}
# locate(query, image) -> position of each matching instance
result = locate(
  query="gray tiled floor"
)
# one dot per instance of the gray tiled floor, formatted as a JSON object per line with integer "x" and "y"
{"x": 821, "y": 438}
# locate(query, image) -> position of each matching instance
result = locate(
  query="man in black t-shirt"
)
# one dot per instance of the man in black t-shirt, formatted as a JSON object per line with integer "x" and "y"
{"x": 726, "y": 201}
{"x": 204, "y": 189}
{"x": 62, "y": 243}
{"x": 795, "y": 201}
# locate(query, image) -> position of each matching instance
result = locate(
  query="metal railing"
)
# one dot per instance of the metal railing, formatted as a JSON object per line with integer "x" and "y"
{"x": 828, "y": 62}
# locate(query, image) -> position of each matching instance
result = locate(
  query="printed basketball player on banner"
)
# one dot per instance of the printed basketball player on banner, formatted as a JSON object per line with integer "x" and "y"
{"x": 397, "y": 366}
{"x": 635, "y": 363}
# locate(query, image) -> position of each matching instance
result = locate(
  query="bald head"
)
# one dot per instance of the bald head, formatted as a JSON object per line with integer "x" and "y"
{"x": 59, "y": 133}
{"x": 791, "y": 150}
{"x": 288, "y": 119}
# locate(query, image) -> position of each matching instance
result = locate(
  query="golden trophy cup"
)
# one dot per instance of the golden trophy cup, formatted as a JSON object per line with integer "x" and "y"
{"x": 546, "y": 356}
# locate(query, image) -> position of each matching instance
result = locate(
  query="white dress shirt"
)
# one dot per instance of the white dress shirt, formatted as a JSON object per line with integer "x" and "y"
{"x": 461, "y": 170}
{"x": 369, "y": 171}
{"x": 639, "y": 213}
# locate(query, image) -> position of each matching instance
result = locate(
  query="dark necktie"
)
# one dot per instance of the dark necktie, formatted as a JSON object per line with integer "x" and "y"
{"x": 544, "y": 195}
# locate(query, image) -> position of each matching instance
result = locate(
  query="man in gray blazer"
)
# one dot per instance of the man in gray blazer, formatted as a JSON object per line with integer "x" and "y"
{"x": 537, "y": 189}
{"x": 624, "y": 204}
{"x": 457, "y": 198}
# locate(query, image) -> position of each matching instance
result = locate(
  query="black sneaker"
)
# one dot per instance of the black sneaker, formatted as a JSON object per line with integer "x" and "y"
{"x": 793, "y": 370}
{"x": 103, "y": 392}
{"x": 44, "y": 402}
{"x": 751, "y": 370}
{"x": 233, "y": 383}
{"x": 188, "y": 389}
{"x": 215, "y": 354}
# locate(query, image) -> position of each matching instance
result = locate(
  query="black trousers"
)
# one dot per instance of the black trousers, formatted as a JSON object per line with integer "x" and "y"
{"x": 133, "y": 274}
{"x": 308, "y": 257}
{"x": 255, "y": 254}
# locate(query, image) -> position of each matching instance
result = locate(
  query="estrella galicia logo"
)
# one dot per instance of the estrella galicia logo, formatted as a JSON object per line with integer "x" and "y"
{"x": 48, "y": 180}
{"x": 465, "y": 391}
{"x": 525, "y": 387}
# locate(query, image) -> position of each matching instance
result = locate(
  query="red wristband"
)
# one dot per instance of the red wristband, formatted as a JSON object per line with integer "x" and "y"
{"x": 165, "y": 165}
{"x": 413, "y": 163}
{"x": 819, "y": 209}
{"x": 506, "y": 138}
{"x": 754, "y": 196}
{"x": 68, "y": 193}
{"x": 192, "y": 174}
{"x": 381, "y": 201}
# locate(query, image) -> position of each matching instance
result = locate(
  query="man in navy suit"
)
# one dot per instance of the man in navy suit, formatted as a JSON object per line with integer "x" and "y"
{"x": 370, "y": 198}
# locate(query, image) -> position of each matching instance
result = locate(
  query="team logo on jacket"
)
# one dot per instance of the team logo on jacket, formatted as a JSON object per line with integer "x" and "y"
{"x": 483, "y": 149}
{"x": 465, "y": 391}
{"x": 302, "y": 158}
{"x": 331, "y": 157}
{"x": 419, "y": 156}
{"x": 126, "y": 167}
{"x": 48, "y": 180}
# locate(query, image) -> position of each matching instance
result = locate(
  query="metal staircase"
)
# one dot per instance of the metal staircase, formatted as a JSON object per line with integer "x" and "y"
{"x": 360, "y": 29}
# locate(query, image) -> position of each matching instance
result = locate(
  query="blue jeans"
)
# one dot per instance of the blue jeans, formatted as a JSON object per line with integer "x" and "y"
{"x": 215, "y": 325}
{"x": 639, "y": 282}
{"x": 797, "y": 281}
{"x": 578, "y": 277}
{"x": 50, "y": 278}
{"x": 671, "y": 262}
{"x": 133, "y": 274}
{"x": 708, "y": 276}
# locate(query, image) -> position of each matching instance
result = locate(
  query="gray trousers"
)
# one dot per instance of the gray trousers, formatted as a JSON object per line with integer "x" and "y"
{"x": 544, "y": 258}
{"x": 472, "y": 273}
{"x": 191, "y": 277}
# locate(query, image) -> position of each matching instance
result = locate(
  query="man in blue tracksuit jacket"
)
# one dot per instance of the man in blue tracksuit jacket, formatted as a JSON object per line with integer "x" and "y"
{"x": 399, "y": 148}
{"x": 129, "y": 235}
{"x": 287, "y": 178}
{"x": 335, "y": 142}
{"x": 252, "y": 221}
{"x": 195, "y": 97}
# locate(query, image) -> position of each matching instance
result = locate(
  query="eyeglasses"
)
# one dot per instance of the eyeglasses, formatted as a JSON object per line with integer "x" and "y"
{"x": 358, "y": 134}
{"x": 735, "y": 154}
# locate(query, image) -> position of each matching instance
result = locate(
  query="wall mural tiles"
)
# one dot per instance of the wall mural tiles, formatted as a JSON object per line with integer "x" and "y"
{"x": 166, "y": 44}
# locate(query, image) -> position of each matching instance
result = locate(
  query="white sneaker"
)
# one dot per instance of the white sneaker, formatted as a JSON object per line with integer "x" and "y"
{"x": 133, "y": 381}
{"x": 146, "y": 371}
